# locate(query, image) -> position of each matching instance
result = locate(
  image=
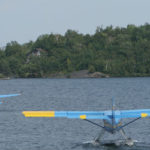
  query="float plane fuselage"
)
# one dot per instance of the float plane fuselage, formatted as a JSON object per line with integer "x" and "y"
{"x": 112, "y": 119}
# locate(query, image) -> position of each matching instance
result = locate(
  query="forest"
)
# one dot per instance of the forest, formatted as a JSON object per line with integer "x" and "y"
{"x": 117, "y": 51}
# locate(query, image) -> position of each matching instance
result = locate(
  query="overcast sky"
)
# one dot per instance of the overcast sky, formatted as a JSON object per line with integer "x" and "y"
{"x": 25, "y": 20}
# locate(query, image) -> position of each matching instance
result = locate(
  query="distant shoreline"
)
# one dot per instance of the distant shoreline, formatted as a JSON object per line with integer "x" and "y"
{"x": 75, "y": 74}
{"x": 82, "y": 74}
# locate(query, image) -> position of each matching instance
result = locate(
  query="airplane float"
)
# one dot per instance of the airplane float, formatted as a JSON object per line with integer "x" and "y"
{"x": 112, "y": 120}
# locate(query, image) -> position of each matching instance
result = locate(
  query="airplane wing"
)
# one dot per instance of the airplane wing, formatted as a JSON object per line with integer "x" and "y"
{"x": 9, "y": 95}
{"x": 89, "y": 114}
{"x": 134, "y": 113}
{"x": 67, "y": 114}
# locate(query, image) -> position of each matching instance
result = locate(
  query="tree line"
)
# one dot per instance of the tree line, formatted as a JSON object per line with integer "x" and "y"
{"x": 117, "y": 51}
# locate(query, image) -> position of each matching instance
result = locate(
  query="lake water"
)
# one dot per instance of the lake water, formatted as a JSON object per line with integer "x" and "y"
{"x": 20, "y": 133}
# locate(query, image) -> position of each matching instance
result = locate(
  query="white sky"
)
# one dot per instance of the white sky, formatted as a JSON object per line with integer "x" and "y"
{"x": 25, "y": 20}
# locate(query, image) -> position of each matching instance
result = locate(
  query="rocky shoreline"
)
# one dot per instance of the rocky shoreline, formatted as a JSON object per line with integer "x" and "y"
{"x": 80, "y": 74}
{"x": 75, "y": 74}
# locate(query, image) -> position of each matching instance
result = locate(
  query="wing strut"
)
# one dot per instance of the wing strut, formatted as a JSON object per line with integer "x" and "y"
{"x": 93, "y": 123}
{"x": 130, "y": 122}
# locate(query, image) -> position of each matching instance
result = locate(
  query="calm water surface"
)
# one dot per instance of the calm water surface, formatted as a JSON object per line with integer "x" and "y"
{"x": 19, "y": 133}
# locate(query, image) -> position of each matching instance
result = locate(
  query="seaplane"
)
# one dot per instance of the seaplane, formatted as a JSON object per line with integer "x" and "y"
{"x": 112, "y": 121}
{"x": 7, "y": 95}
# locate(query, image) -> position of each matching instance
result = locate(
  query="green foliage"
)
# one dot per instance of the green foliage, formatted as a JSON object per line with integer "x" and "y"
{"x": 115, "y": 51}
{"x": 91, "y": 69}
{"x": 2, "y": 76}
{"x": 4, "y": 67}
{"x": 12, "y": 48}
{"x": 69, "y": 65}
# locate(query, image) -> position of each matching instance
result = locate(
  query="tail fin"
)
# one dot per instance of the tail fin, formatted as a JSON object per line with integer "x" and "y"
{"x": 113, "y": 112}
{"x": 113, "y": 104}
